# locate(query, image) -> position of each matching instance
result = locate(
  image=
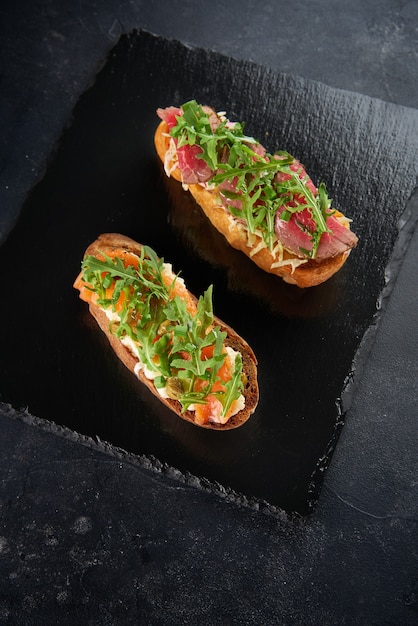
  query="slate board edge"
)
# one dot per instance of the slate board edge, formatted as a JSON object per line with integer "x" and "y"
{"x": 147, "y": 463}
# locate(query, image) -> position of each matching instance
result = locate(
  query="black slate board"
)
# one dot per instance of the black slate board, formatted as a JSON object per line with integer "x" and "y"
{"x": 105, "y": 176}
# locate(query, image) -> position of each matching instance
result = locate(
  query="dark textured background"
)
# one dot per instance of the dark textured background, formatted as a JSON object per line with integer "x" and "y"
{"x": 88, "y": 534}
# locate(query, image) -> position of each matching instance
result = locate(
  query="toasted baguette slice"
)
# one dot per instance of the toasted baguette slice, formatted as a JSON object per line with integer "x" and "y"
{"x": 112, "y": 244}
{"x": 306, "y": 274}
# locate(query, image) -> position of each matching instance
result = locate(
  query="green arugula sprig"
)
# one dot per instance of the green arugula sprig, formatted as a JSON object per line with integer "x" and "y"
{"x": 193, "y": 127}
{"x": 170, "y": 340}
{"x": 230, "y": 155}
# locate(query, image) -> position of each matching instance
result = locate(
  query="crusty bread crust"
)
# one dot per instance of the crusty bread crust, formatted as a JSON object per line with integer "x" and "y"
{"x": 308, "y": 274}
{"x": 113, "y": 242}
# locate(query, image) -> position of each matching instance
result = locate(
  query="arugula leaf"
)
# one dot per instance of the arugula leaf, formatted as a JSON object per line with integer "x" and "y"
{"x": 230, "y": 155}
{"x": 231, "y": 385}
{"x": 169, "y": 340}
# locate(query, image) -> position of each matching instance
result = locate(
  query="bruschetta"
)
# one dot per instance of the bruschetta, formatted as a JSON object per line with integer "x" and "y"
{"x": 197, "y": 365}
{"x": 264, "y": 204}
